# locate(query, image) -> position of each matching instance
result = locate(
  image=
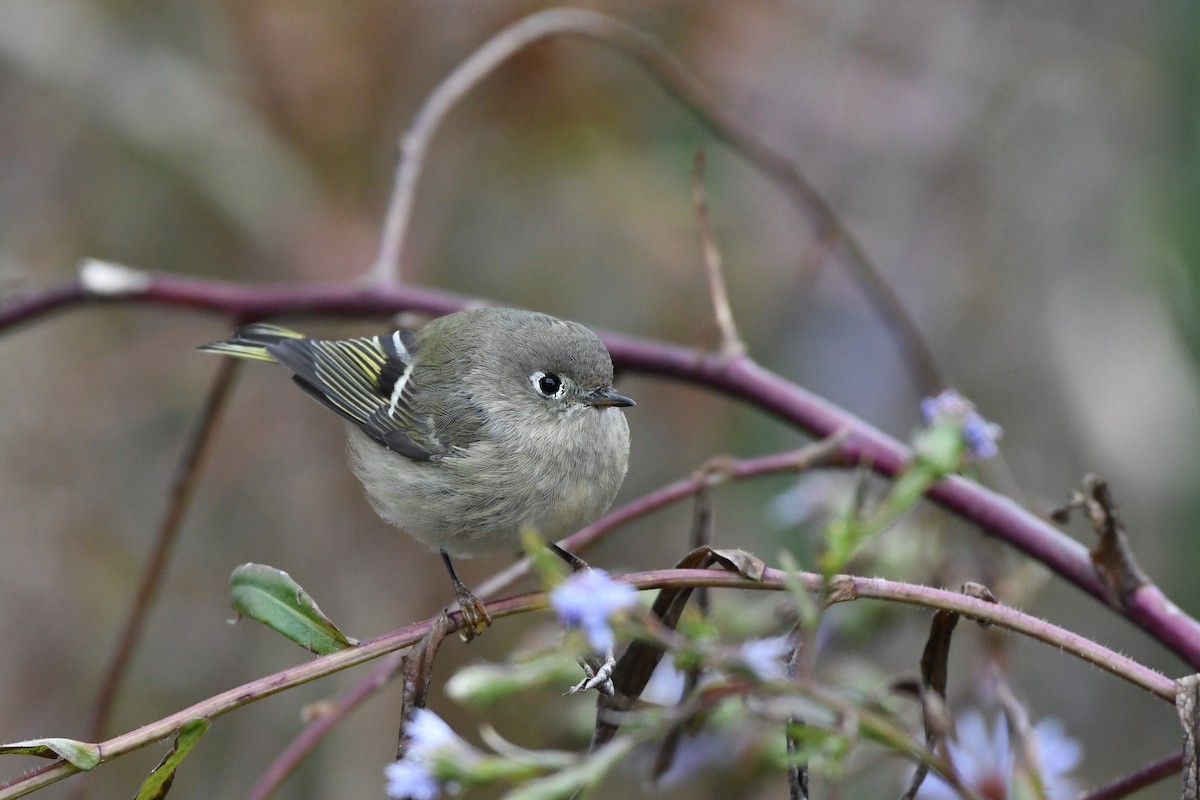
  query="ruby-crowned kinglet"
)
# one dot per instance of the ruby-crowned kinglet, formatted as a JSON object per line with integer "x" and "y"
{"x": 478, "y": 426}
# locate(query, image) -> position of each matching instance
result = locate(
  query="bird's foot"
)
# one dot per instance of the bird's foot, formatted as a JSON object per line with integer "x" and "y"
{"x": 598, "y": 670}
{"x": 475, "y": 615}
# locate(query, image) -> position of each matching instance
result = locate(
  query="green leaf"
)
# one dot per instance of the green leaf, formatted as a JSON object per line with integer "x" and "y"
{"x": 483, "y": 684}
{"x": 569, "y": 782}
{"x": 159, "y": 781}
{"x": 810, "y": 614}
{"x": 842, "y": 537}
{"x": 83, "y": 755}
{"x": 270, "y": 596}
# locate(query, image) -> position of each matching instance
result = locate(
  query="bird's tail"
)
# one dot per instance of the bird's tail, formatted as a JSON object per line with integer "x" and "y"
{"x": 251, "y": 341}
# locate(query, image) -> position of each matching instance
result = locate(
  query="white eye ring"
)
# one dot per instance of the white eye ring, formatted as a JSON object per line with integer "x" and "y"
{"x": 547, "y": 384}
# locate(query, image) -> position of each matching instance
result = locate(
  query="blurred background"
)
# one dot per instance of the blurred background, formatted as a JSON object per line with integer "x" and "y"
{"x": 1025, "y": 176}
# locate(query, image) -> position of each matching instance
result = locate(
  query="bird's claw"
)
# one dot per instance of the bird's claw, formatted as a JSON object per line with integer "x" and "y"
{"x": 475, "y": 615}
{"x": 598, "y": 674}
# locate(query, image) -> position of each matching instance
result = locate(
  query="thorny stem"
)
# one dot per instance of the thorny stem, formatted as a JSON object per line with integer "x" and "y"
{"x": 844, "y": 588}
{"x": 832, "y": 238}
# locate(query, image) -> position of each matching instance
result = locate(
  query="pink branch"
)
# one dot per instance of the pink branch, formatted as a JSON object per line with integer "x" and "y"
{"x": 740, "y": 378}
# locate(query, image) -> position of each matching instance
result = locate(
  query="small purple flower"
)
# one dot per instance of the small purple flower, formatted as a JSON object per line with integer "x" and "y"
{"x": 951, "y": 408}
{"x": 587, "y": 600}
{"x": 410, "y": 781}
{"x": 430, "y": 745}
{"x": 986, "y": 763}
{"x": 949, "y": 405}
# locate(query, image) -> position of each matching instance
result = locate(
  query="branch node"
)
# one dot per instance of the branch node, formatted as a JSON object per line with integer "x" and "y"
{"x": 1112, "y": 556}
{"x": 108, "y": 279}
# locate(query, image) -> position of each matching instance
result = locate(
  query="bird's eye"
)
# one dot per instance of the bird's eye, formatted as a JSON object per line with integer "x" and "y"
{"x": 548, "y": 384}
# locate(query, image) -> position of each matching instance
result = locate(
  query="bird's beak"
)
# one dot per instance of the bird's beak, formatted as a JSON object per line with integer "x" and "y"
{"x": 603, "y": 398}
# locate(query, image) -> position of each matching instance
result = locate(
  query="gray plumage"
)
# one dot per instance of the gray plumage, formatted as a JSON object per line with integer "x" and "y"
{"x": 476, "y": 427}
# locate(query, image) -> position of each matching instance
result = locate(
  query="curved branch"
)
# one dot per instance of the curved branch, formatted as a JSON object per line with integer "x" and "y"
{"x": 847, "y": 587}
{"x": 316, "y": 731}
{"x": 832, "y": 237}
{"x": 994, "y": 513}
{"x": 1146, "y": 775}
{"x": 740, "y": 378}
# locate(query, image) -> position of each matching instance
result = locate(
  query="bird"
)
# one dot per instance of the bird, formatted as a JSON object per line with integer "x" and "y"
{"x": 469, "y": 431}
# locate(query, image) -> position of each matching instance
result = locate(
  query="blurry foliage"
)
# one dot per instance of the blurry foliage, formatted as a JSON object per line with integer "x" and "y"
{"x": 989, "y": 155}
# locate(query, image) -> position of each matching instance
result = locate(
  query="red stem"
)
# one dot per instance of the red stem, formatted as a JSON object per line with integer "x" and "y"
{"x": 741, "y": 378}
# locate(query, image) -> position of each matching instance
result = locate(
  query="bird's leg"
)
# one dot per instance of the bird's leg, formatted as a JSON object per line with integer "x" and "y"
{"x": 598, "y": 668}
{"x": 576, "y": 563}
{"x": 474, "y": 612}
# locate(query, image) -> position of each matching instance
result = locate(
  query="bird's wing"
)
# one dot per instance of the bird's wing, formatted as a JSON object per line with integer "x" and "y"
{"x": 365, "y": 380}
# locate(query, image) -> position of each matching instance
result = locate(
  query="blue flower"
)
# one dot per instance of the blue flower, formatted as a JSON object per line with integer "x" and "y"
{"x": 986, "y": 763}
{"x": 587, "y": 600}
{"x": 433, "y": 753}
{"x": 410, "y": 781}
{"x": 951, "y": 408}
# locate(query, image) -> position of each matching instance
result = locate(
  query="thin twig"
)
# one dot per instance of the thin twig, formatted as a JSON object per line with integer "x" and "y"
{"x": 318, "y": 729}
{"x": 740, "y": 378}
{"x": 1137, "y": 780}
{"x": 846, "y": 588}
{"x": 168, "y": 531}
{"x": 817, "y": 454}
{"x": 797, "y": 766}
{"x": 731, "y": 345}
{"x": 824, "y": 453}
{"x": 833, "y": 239}
{"x": 843, "y": 588}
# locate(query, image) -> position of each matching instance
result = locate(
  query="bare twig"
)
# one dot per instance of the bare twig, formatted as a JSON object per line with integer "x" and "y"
{"x": 731, "y": 345}
{"x": 797, "y": 768}
{"x": 152, "y": 573}
{"x": 935, "y": 671}
{"x": 318, "y": 729}
{"x": 1137, "y": 780}
{"x": 832, "y": 237}
{"x": 638, "y": 662}
{"x": 741, "y": 378}
{"x": 848, "y": 588}
{"x": 418, "y": 673}
{"x": 703, "y": 521}
{"x": 843, "y": 588}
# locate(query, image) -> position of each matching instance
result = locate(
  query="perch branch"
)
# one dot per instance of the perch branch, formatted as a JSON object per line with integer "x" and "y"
{"x": 844, "y": 588}
{"x": 740, "y": 378}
